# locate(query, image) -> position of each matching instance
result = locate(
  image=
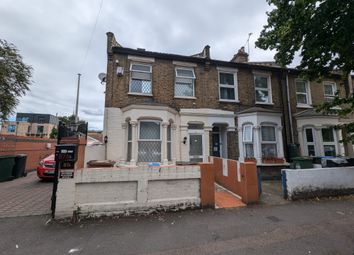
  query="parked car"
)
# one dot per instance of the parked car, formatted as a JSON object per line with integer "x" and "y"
{"x": 46, "y": 168}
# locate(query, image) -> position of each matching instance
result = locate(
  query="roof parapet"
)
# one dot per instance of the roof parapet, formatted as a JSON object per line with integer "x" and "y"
{"x": 204, "y": 54}
{"x": 241, "y": 56}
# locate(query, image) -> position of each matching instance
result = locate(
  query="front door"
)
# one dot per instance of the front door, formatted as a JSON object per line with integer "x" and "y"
{"x": 196, "y": 147}
{"x": 216, "y": 144}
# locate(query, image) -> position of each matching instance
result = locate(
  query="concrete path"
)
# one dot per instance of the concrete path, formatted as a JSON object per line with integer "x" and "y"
{"x": 226, "y": 199}
{"x": 25, "y": 196}
{"x": 312, "y": 227}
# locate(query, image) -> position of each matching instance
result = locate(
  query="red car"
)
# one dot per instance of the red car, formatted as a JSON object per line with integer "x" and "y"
{"x": 46, "y": 168}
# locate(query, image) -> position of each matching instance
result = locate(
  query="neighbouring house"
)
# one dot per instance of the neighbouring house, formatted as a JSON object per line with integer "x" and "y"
{"x": 30, "y": 124}
{"x": 166, "y": 108}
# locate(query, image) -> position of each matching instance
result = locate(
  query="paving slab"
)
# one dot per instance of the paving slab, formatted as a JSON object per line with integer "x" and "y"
{"x": 25, "y": 196}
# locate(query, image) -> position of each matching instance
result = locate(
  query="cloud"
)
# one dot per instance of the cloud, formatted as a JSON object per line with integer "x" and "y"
{"x": 53, "y": 37}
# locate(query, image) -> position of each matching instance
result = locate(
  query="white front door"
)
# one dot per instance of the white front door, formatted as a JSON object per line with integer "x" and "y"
{"x": 196, "y": 147}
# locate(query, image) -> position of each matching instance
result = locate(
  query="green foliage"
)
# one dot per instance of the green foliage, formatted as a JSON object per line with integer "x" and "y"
{"x": 54, "y": 133}
{"x": 321, "y": 31}
{"x": 69, "y": 120}
{"x": 14, "y": 78}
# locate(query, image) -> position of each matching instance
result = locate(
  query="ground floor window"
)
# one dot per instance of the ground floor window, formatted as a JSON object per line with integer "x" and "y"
{"x": 169, "y": 143}
{"x": 129, "y": 148}
{"x": 310, "y": 141}
{"x": 329, "y": 144}
{"x": 247, "y": 139}
{"x": 268, "y": 142}
{"x": 149, "y": 142}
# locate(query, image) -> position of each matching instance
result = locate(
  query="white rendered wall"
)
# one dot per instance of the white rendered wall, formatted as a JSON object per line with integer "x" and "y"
{"x": 299, "y": 182}
{"x": 124, "y": 190}
{"x": 95, "y": 152}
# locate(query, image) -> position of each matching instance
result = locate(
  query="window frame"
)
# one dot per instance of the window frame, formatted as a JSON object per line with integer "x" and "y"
{"x": 130, "y": 92}
{"x": 334, "y": 143}
{"x": 234, "y": 86}
{"x": 169, "y": 142}
{"x": 268, "y": 89}
{"x": 328, "y": 97}
{"x": 307, "y": 93}
{"x": 275, "y": 142}
{"x": 247, "y": 142}
{"x": 185, "y": 77}
{"x": 307, "y": 143}
{"x": 149, "y": 140}
{"x": 13, "y": 128}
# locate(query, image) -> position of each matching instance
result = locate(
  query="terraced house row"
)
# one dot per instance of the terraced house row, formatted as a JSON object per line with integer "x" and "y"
{"x": 165, "y": 108}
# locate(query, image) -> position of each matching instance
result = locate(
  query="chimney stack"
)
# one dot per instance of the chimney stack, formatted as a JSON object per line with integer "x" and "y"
{"x": 241, "y": 56}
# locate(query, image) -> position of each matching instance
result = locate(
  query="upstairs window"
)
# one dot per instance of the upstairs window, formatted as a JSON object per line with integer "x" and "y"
{"x": 227, "y": 86}
{"x": 269, "y": 142}
{"x": 263, "y": 89}
{"x": 184, "y": 82}
{"x": 302, "y": 93}
{"x": 330, "y": 90}
{"x": 140, "y": 79}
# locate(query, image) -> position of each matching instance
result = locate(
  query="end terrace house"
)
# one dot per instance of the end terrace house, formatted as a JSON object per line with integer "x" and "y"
{"x": 166, "y": 107}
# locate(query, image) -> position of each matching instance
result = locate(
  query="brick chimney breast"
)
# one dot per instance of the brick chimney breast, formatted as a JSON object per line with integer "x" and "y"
{"x": 241, "y": 56}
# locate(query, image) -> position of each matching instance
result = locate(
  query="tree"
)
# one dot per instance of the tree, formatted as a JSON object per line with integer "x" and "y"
{"x": 322, "y": 33}
{"x": 15, "y": 78}
{"x": 54, "y": 133}
{"x": 69, "y": 119}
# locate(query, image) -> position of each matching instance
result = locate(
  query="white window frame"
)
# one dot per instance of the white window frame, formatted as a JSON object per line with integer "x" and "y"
{"x": 130, "y": 79}
{"x": 334, "y": 143}
{"x": 129, "y": 126}
{"x": 245, "y": 141}
{"x": 269, "y": 142}
{"x": 169, "y": 141}
{"x": 234, "y": 86}
{"x": 306, "y": 143}
{"x": 185, "y": 77}
{"x": 329, "y": 97}
{"x": 269, "y": 88}
{"x": 307, "y": 93}
{"x": 150, "y": 140}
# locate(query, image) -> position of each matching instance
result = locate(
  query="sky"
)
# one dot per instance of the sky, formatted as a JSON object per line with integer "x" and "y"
{"x": 54, "y": 38}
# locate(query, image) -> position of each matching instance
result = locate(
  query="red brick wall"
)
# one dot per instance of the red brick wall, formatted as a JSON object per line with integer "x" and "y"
{"x": 35, "y": 148}
{"x": 247, "y": 187}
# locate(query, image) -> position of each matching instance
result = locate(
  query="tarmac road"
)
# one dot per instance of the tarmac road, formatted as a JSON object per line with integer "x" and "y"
{"x": 304, "y": 227}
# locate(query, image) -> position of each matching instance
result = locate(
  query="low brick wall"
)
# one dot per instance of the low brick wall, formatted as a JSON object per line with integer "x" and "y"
{"x": 35, "y": 148}
{"x": 317, "y": 182}
{"x": 126, "y": 190}
{"x": 240, "y": 178}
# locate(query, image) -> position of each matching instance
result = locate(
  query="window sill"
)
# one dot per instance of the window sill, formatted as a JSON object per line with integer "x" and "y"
{"x": 228, "y": 101}
{"x": 139, "y": 94}
{"x": 181, "y": 97}
{"x": 307, "y": 106}
{"x": 264, "y": 103}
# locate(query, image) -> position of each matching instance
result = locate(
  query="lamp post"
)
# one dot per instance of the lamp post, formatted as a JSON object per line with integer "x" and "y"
{"x": 77, "y": 99}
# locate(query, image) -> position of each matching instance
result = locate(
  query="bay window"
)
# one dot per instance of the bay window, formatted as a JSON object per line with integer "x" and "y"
{"x": 140, "y": 79}
{"x": 263, "y": 88}
{"x": 184, "y": 82}
{"x": 169, "y": 142}
{"x": 329, "y": 142}
{"x": 268, "y": 141}
{"x": 310, "y": 142}
{"x": 129, "y": 147}
{"x": 247, "y": 138}
{"x": 149, "y": 141}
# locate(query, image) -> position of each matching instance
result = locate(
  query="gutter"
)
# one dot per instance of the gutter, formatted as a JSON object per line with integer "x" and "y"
{"x": 289, "y": 108}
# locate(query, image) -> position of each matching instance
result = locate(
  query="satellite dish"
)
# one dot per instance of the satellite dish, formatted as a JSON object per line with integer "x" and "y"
{"x": 102, "y": 77}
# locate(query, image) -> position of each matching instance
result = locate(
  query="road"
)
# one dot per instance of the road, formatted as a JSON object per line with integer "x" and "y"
{"x": 311, "y": 227}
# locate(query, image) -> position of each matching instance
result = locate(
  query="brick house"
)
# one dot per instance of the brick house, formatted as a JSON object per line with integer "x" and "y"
{"x": 165, "y": 108}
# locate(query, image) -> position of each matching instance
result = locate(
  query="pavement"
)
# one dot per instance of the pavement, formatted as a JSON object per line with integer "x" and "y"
{"x": 302, "y": 227}
{"x": 25, "y": 196}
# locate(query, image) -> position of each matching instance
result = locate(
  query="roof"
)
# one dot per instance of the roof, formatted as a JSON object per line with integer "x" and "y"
{"x": 313, "y": 113}
{"x": 257, "y": 109}
{"x": 197, "y": 59}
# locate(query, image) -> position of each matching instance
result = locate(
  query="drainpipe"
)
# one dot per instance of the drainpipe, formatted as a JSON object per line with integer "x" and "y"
{"x": 289, "y": 108}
